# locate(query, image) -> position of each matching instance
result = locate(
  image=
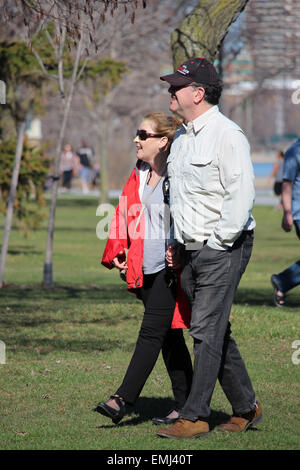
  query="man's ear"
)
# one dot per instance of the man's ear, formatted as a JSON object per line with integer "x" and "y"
{"x": 199, "y": 95}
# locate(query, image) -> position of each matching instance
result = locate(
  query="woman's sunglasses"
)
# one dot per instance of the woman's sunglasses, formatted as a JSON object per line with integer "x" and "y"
{"x": 143, "y": 135}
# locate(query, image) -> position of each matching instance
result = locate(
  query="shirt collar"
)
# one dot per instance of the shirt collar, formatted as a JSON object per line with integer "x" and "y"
{"x": 201, "y": 121}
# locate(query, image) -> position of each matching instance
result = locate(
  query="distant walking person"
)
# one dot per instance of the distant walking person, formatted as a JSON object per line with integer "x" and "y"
{"x": 290, "y": 277}
{"x": 85, "y": 163}
{"x": 67, "y": 166}
{"x": 276, "y": 173}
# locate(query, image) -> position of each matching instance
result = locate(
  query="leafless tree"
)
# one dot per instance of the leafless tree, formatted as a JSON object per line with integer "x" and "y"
{"x": 144, "y": 46}
{"x": 77, "y": 24}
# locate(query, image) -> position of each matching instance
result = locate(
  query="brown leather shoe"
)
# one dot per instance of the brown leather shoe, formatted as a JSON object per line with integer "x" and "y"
{"x": 183, "y": 428}
{"x": 240, "y": 423}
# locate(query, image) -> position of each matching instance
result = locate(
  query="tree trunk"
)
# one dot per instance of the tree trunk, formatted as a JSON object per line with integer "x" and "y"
{"x": 48, "y": 265}
{"x": 103, "y": 159}
{"x": 12, "y": 194}
{"x": 202, "y": 31}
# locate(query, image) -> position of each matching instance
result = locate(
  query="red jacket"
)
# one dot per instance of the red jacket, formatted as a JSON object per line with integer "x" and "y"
{"x": 125, "y": 236}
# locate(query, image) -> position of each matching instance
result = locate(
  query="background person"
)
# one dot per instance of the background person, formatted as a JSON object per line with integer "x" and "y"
{"x": 85, "y": 164}
{"x": 146, "y": 240}
{"x": 276, "y": 173}
{"x": 96, "y": 176}
{"x": 290, "y": 277}
{"x": 67, "y": 166}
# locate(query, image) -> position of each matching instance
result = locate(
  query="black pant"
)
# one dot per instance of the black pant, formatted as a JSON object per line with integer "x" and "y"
{"x": 155, "y": 335}
{"x": 67, "y": 178}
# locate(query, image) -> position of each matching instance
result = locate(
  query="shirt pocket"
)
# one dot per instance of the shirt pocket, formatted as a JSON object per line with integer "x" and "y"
{"x": 201, "y": 171}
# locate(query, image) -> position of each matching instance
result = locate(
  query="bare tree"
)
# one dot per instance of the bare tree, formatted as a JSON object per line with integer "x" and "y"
{"x": 10, "y": 206}
{"x": 23, "y": 82}
{"x": 76, "y": 24}
{"x": 144, "y": 47}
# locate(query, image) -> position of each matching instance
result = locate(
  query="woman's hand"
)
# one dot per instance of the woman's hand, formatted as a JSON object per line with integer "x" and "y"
{"x": 173, "y": 256}
{"x": 120, "y": 261}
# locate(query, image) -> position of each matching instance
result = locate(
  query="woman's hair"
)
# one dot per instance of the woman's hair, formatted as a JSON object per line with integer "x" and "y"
{"x": 165, "y": 125}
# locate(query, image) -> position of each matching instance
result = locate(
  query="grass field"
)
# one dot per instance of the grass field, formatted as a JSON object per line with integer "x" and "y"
{"x": 68, "y": 347}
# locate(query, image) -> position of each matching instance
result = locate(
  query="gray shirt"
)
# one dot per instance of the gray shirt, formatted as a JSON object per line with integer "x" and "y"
{"x": 157, "y": 229}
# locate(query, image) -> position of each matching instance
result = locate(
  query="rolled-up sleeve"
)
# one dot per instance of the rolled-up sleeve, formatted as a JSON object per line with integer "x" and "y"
{"x": 237, "y": 179}
{"x": 290, "y": 166}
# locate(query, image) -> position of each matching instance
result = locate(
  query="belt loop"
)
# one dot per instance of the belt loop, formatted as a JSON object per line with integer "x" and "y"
{"x": 194, "y": 246}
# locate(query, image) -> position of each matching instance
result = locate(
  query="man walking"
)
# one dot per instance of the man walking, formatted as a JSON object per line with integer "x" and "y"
{"x": 211, "y": 199}
{"x": 290, "y": 277}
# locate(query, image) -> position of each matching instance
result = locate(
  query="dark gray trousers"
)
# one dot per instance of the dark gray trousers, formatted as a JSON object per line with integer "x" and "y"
{"x": 210, "y": 279}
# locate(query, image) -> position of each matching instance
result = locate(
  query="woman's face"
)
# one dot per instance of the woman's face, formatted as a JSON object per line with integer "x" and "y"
{"x": 149, "y": 148}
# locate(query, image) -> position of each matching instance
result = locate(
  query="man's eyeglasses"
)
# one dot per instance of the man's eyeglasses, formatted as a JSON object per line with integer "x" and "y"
{"x": 143, "y": 135}
{"x": 172, "y": 89}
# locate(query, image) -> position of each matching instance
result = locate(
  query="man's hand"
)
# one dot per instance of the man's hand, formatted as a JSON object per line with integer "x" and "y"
{"x": 120, "y": 261}
{"x": 173, "y": 256}
{"x": 287, "y": 221}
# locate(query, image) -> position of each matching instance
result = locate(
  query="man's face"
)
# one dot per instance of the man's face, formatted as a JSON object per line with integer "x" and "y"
{"x": 182, "y": 99}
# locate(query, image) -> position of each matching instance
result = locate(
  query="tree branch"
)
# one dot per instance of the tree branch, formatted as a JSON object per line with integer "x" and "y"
{"x": 51, "y": 42}
{"x": 82, "y": 69}
{"x": 43, "y": 68}
{"x": 62, "y": 39}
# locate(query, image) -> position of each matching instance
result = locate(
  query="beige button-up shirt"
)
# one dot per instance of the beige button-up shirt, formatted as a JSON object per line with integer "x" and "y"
{"x": 211, "y": 181}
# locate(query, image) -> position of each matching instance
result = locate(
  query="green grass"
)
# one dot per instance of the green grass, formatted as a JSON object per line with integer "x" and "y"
{"x": 68, "y": 347}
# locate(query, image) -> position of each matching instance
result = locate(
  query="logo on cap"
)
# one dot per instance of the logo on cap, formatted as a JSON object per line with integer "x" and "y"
{"x": 183, "y": 69}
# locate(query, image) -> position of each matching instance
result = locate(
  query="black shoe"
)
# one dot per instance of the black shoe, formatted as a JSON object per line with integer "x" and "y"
{"x": 115, "y": 415}
{"x": 165, "y": 420}
{"x": 279, "y": 300}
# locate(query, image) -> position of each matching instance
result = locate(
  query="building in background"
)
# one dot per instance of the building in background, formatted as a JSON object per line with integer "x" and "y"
{"x": 261, "y": 72}
{"x": 33, "y": 131}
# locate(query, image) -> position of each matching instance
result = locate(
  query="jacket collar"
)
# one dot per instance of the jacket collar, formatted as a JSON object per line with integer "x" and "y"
{"x": 141, "y": 166}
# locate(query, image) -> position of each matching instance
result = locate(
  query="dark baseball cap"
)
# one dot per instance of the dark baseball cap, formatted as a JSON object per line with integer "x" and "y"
{"x": 197, "y": 70}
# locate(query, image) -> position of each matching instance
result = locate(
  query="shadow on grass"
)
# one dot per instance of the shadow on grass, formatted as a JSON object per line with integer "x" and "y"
{"x": 147, "y": 408}
{"x": 43, "y": 229}
{"x": 264, "y": 297}
{"x": 12, "y": 295}
{"x": 24, "y": 252}
{"x": 37, "y": 347}
{"x": 71, "y": 201}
